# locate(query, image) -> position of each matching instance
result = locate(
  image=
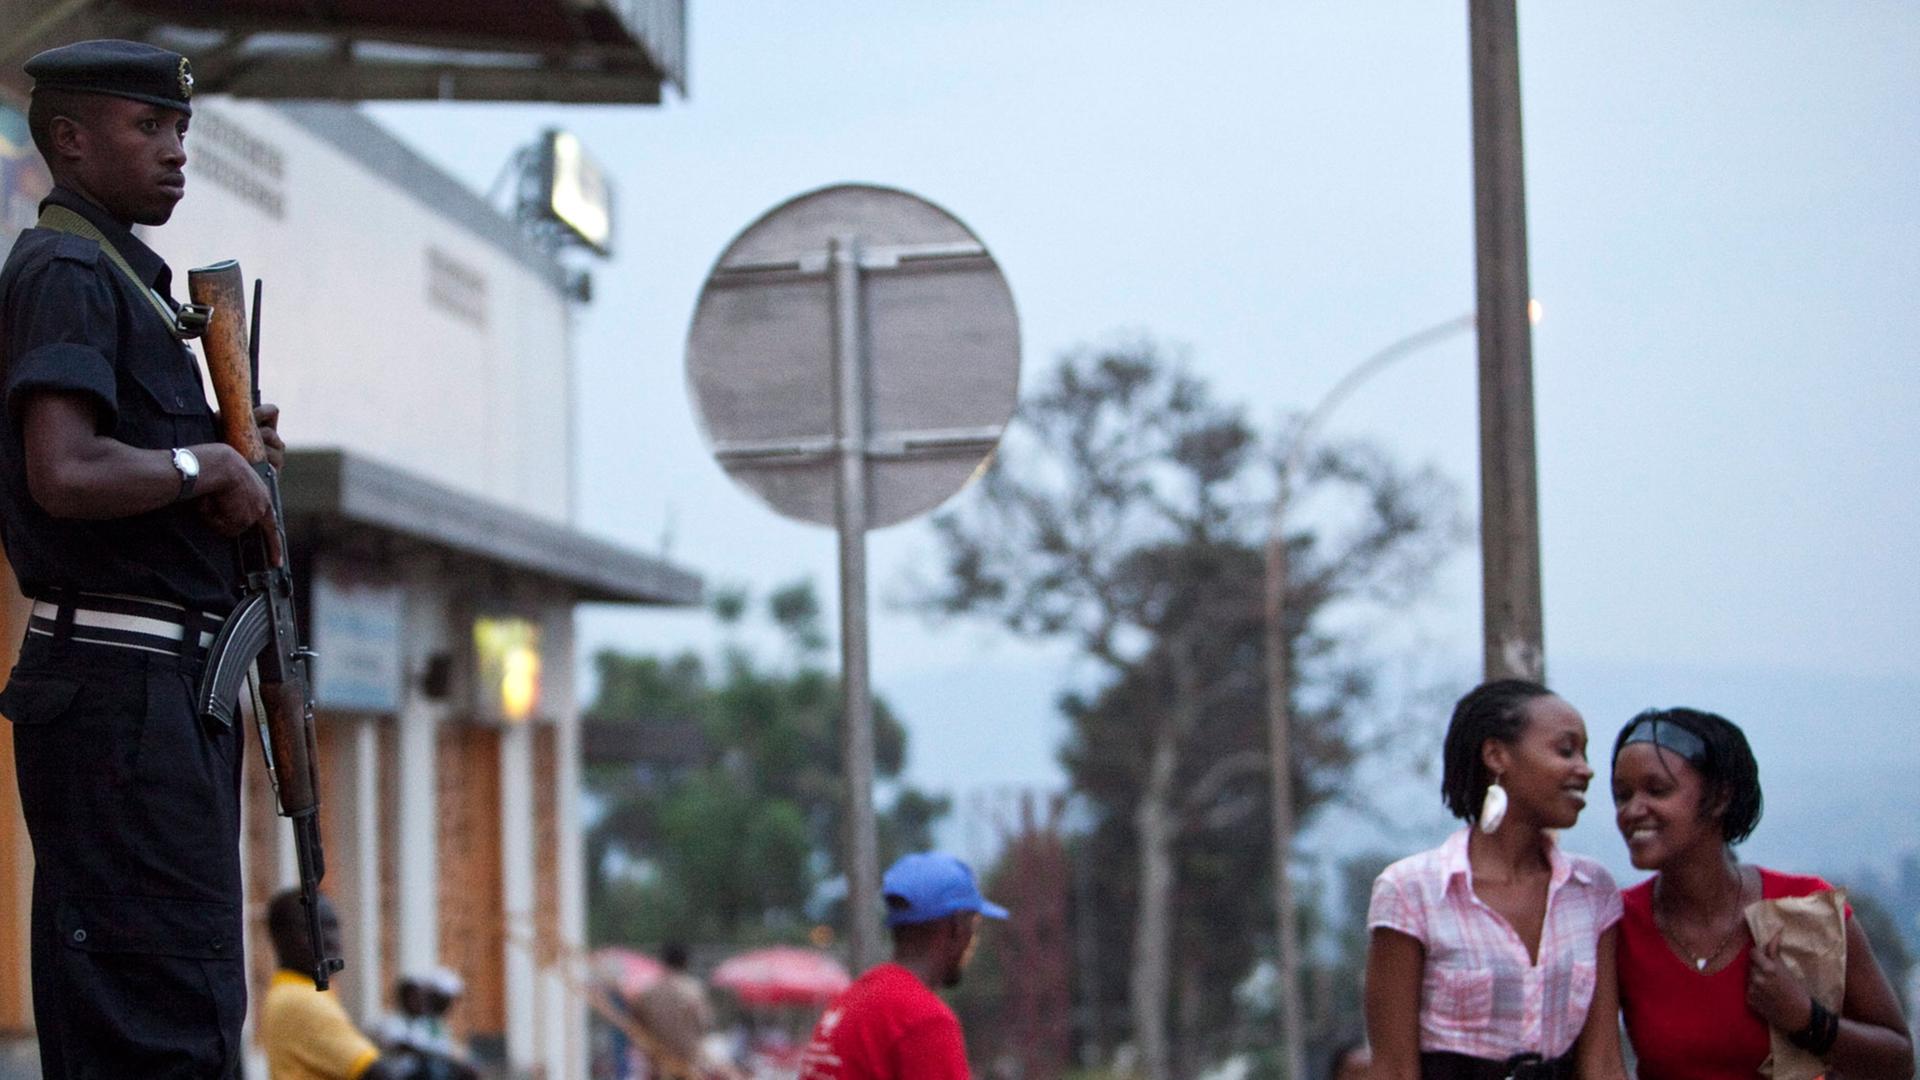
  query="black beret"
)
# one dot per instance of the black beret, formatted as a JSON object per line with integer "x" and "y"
{"x": 128, "y": 69}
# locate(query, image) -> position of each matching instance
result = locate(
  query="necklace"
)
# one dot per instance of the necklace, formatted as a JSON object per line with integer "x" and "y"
{"x": 1699, "y": 961}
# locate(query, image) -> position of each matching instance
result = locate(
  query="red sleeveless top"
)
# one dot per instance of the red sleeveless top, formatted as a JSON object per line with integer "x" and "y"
{"x": 1686, "y": 1024}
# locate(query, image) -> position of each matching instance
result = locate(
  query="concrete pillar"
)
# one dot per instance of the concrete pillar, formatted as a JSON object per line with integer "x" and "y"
{"x": 418, "y": 771}
{"x": 572, "y": 1015}
{"x": 363, "y": 946}
{"x": 419, "y": 839}
{"x": 517, "y": 885}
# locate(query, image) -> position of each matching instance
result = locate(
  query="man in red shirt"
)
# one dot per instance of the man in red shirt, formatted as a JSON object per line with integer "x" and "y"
{"x": 890, "y": 1025}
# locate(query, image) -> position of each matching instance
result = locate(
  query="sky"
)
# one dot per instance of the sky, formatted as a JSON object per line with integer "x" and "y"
{"x": 1724, "y": 239}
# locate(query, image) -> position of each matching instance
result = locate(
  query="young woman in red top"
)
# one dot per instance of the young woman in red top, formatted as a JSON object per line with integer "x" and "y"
{"x": 1698, "y": 997}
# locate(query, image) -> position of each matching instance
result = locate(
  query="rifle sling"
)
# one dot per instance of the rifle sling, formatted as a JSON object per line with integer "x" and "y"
{"x": 60, "y": 219}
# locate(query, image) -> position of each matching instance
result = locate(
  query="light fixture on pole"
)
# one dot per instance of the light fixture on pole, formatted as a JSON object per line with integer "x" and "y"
{"x": 1279, "y": 671}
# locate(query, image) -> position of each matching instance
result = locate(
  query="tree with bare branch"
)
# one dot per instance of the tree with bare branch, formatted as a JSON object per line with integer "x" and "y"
{"x": 1125, "y": 514}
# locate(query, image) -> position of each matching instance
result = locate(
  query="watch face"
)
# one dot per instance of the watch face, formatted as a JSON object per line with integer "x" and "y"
{"x": 185, "y": 461}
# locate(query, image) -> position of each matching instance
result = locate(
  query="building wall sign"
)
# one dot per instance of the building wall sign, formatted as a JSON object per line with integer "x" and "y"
{"x": 356, "y": 639}
{"x": 469, "y": 315}
{"x": 507, "y": 660}
{"x": 229, "y": 155}
{"x": 456, "y": 288}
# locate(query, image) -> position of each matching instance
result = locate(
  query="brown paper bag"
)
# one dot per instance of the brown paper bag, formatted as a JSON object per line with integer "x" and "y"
{"x": 1813, "y": 946}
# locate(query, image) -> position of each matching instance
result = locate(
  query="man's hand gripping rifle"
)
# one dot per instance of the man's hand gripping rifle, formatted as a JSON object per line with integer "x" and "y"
{"x": 262, "y": 628}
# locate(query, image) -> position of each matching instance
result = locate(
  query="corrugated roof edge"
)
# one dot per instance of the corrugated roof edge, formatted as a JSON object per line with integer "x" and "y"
{"x": 360, "y": 137}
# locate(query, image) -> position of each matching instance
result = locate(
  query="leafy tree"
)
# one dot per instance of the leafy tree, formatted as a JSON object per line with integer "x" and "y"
{"x": 1126, "y": 514}
{"x": 736, "y": 844}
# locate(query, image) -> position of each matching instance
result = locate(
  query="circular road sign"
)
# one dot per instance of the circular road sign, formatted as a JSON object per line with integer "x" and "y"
{"x": 933, "y": 333}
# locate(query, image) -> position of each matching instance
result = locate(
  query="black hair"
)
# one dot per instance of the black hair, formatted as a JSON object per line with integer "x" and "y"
{"x": 674, "y": 955}
{"x": 47, "y": 104}
{"x": 1492, "y": 710}
{"x": 1730, "y": 777}
{"x": 287, "y": 926}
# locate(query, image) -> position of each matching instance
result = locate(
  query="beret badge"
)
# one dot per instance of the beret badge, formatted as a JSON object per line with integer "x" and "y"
{"x": 186, "y": 80}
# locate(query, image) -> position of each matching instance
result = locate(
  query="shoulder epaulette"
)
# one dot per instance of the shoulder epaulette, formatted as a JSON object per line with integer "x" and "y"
{"x": 79, "y": 249}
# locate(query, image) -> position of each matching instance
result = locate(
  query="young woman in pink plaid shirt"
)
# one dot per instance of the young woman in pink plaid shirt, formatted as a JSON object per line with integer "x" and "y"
{"x": 1491, "y": 956}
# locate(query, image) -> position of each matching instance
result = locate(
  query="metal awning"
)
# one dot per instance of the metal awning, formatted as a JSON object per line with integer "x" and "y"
{"x": 582, "y": 51}
{"x": 327, "y": 492}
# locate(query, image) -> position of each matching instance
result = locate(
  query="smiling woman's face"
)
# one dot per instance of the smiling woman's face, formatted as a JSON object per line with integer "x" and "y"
{"x": 1545, "y": 770}
{"x": 1657, "y": 803}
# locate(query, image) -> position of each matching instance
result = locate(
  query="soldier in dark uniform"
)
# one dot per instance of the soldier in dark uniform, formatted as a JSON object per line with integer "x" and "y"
{"x": 117, "y": 501}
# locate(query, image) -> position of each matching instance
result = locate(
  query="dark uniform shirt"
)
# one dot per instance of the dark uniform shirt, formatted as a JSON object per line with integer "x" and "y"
{"x": 71, "y": 321}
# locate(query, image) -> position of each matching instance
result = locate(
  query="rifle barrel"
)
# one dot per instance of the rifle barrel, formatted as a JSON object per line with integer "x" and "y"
{"x": 253, "y": 343}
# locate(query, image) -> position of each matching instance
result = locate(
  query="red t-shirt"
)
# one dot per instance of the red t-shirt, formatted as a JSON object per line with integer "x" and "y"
{"x": 1687, "y": 1024}
{"x": 886, "y": 1026}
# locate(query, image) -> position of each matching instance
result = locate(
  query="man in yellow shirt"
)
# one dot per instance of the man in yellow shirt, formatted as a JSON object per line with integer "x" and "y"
{"x": 306, "y": 1033}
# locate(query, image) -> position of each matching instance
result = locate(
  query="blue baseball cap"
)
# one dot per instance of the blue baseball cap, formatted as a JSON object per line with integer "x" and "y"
{"x": 928, "y": 885}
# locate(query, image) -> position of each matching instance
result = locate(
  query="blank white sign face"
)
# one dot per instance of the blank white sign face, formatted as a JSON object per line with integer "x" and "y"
{"x": 942, "y": 353}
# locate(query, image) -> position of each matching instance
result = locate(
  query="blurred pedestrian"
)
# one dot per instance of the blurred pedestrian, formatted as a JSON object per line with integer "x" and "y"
{"x": 676, "y": 1011}
{"x": 1491, "y": 955}
{"x": 418, "y": 1032}
{"x": 306, "y": 1033}
{"x": 1699, "y": 999}
{"x": 890, "y": 1024}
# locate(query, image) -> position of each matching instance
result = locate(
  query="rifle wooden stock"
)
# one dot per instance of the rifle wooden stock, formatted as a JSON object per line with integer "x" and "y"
{"x": 295, "y": 757}
{"x": 229, "y": 366}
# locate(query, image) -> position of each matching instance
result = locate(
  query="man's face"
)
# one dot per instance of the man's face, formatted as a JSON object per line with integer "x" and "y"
{"x": 964, "y": 942}
{"x": 128, "y": 156}
{"x": 413, "y": 999}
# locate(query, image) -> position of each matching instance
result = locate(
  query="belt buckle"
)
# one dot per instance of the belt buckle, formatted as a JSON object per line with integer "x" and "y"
{"x": 1525, "y": 1066}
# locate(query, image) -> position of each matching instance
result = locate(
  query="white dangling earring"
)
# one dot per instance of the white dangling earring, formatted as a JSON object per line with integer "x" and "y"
{"x": 1493, "y": 808}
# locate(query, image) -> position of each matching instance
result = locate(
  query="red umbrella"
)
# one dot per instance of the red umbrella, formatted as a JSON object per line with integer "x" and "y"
{"x": 782, "y": 976}
{"x": 631, "y": 972}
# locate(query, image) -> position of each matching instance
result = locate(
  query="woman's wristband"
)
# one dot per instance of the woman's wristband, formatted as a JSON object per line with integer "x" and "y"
{"x": 1823, "y": 1027}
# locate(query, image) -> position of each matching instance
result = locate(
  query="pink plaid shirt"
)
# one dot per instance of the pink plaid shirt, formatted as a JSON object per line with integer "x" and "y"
{"x": 1480, "y": 994}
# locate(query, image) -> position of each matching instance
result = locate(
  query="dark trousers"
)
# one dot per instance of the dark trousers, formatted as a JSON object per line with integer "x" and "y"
{"x": 133, "y": 806}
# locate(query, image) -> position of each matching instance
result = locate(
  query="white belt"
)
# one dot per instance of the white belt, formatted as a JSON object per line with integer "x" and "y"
{"x": 161, "y": 631}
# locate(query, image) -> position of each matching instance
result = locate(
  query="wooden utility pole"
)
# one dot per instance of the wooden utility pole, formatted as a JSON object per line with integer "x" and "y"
{"x": 1509, "y": 488}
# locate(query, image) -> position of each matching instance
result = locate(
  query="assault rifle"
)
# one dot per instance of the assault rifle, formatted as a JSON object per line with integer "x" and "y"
{"x": 262, "y": 631}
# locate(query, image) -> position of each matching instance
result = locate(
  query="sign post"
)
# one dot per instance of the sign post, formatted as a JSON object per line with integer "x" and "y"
{"x": 854, "y": 357}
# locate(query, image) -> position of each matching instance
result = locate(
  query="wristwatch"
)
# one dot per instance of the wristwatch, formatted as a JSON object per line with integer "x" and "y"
{"x": 188, "y": 466}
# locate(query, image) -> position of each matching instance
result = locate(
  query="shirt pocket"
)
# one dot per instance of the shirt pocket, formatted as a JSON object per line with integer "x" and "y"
{"x": 1458, "y": 1001}
{"x": 170, "y": 406}
{"x": 1580, "y": 980}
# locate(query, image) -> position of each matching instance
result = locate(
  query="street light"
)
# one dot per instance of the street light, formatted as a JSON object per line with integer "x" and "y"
{"x": 1279, "y": 650}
